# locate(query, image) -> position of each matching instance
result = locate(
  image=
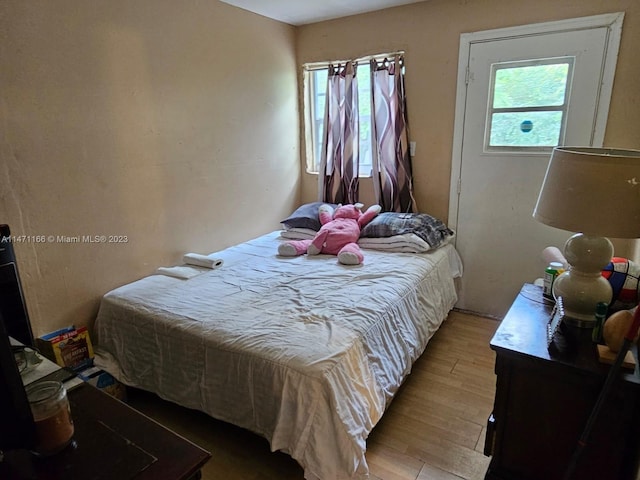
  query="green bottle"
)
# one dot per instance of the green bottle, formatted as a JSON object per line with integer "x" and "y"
{"x": 601, "y": 315}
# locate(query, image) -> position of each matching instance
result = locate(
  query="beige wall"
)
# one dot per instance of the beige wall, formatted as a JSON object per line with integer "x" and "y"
{"x": 429, "y": 33}
{"x": 174, "y": 124}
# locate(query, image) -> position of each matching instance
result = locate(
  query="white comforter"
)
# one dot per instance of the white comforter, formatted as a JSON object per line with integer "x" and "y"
{"x": 303, "y": 351}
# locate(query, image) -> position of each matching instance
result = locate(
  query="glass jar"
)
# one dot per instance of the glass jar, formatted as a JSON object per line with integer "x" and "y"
{"x": 52, "y": 416}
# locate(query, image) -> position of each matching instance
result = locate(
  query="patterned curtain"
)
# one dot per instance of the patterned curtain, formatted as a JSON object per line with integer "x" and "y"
{"x": 338, "y": 172}
{"x": 392, "y": 177}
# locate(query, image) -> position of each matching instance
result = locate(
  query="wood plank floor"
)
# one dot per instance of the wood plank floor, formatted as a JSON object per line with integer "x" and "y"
{"x": 433, "y": 430}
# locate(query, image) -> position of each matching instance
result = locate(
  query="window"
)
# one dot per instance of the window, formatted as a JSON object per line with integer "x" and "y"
{"x": 316, "y": 86}
{"x": 528, "y": 104}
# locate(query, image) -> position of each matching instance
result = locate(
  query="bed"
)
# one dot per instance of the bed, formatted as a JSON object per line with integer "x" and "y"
{"x": 303, "y": 351}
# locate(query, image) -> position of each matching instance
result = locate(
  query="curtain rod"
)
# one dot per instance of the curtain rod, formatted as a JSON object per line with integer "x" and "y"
{"x": 378, "y": 57}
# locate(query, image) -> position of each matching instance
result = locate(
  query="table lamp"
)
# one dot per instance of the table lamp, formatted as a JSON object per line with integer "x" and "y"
{"x": 594, "y": 191}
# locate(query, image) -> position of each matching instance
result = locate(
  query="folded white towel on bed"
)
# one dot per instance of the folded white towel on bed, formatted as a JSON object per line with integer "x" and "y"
{"x": 181, "y": 271}
{"x": 201, "y": 260}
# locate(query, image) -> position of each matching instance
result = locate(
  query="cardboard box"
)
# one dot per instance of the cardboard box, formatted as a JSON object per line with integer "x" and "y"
{"x": 68, "y": 347}
{"x": 104, "y": 381}
{"x": 71, "y": 347}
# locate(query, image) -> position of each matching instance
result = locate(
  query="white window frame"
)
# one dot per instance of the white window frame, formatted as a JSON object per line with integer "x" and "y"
{"x": 570, "y": 60}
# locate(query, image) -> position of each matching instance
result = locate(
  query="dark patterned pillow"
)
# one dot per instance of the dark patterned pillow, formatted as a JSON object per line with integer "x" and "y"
{"x": 388, "y": 224}
{"x": 305, "y": 216}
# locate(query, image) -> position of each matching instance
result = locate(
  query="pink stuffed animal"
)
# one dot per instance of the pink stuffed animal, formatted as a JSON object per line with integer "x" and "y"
{"x": 338, "y": 235}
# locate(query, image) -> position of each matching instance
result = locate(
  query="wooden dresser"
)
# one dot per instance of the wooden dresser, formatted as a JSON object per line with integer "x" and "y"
{"x": 544, "y": 397}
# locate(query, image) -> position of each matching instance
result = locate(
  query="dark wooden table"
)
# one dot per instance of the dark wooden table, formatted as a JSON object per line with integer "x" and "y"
{"x": 111, "y": 441}
{"x": 544, "y": 397}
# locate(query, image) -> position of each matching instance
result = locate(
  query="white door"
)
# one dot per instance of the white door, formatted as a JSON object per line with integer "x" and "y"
{"x": 524, "y": 90}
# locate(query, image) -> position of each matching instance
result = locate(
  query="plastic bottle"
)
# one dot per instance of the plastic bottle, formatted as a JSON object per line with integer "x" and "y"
{"x": 550, "y": 273}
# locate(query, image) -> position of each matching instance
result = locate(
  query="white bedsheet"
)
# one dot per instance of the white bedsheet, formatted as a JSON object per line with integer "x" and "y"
{"x": 303, "y": 351}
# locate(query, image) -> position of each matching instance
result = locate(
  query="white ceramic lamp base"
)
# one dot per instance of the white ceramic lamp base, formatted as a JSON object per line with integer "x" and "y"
{"x": 583, "y": 286}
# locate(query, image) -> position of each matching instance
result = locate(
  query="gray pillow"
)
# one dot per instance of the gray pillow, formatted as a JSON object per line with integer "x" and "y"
{"x": 305, "y": 216}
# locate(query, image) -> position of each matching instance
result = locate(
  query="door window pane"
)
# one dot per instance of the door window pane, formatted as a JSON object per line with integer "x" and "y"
{"x": 526, "y": 129}
{"x": 533, "y": 86}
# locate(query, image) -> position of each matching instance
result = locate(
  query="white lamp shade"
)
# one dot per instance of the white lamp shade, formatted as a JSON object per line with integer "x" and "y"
{"x": 592, "y": 190}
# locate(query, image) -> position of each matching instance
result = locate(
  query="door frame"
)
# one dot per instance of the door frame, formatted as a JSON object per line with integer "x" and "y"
{"x": 611, "y": 20}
